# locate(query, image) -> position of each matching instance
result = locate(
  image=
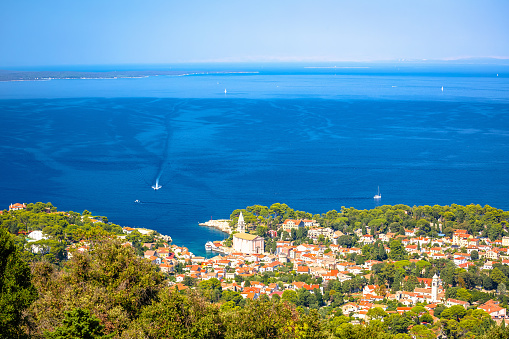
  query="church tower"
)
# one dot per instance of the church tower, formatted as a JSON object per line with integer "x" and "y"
{"x": 434, "y": 288}
{"x": 241, "y": 225}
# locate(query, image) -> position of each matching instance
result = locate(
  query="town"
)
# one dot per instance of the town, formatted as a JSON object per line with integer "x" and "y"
{"x": 420, "y": 263}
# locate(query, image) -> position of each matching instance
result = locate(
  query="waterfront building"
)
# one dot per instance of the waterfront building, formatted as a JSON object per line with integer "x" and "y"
{"x": 290, "y": 224}
{"x": 17, "y": 207}
{"x": 247, "y": 243}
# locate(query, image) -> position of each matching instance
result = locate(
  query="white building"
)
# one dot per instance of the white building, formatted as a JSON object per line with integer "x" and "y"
{"x": 247, "y": 243}
{"x": 434, "y": 288}
{"x": 36, "y": 236}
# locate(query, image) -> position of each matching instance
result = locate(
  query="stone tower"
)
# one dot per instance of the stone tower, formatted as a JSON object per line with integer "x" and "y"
{"x": 241, "y": 225}
{"x": 434, "y": 288}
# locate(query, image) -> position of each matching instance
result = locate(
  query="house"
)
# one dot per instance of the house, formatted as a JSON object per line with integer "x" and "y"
{"x": 166, "y": 268}
{"x": 505, "y": 241}
{"x": 163, "y": 252}
{"x": 155, "y": 260}
{"x": 438, "y": 256}
{"x": 149, "y": 254}
{"x": 412, "y": 249}
{"x": 370, "y": 289}
{"x": 310, "y": 223}
{"x": 343, "y": 277}
{"x": 292, "y": 224}
{"x": 493, "y": 309}
{"x": 492, "y": 254}
{"x": 17, "y": 207}
{"x": 488, "y": 265}
{"x": 367, "y": 239}
{"x": 434, "y": 250}
{"x": 451, "y": 302}
{"x": 410, "y": 233}
{"x": 302, "y": 270}
{"x": 315, "y": 233}
{"x": 402, "y": 310}
{"x": 458, "y": 260}
{"x": 127, "y": 230}
{"x": 461, "y": 238}
{"x": 36, "y": 236}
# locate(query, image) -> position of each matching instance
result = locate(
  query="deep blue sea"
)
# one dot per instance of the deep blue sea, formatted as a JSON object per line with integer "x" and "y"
{"x": 313, "y": 138}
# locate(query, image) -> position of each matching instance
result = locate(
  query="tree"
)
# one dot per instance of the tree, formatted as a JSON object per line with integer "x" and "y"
{"x": 426, "y": 318}
{"x": 455, "y": 312}
{"x": 345, "y": 241}
{"x": 463, "y": 294}
{"x": 109, "y": 280}
{"x": 411, "y": 283}
{"x": 438, "y": 310}
{"x": 398, "y": 323}
{"x": 382, "y": 254}
{"x": 188, "y": 281}
{"x": 497, "y": 275}
{"x": 178, "y": 316}
{"x": 290, "y": 296}
{"x": 388, "y": 274}
{"x": 377, "y": 313}
{"x": 501, "y": 289}
{"x": 78, "y": 324}
{"x": 397, "y": 250}
{"x": 474, "y": 255}
{"x": 16, "y": 289}
{"x": 421, "y": 332}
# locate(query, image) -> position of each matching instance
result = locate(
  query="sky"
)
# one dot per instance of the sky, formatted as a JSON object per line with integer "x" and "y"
{"x": 98, "y": 32}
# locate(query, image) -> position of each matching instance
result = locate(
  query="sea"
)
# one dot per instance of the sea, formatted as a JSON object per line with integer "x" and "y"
{"x": 315, "y": 137}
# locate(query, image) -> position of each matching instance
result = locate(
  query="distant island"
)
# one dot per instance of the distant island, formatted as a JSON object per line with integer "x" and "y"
{"x": 7, "y": 75}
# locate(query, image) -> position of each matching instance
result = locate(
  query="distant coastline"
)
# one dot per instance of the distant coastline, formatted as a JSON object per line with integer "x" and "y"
{"x": 6, "y": 75}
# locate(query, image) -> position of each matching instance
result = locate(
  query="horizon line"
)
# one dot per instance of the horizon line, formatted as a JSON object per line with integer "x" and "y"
{"x": 270, "y": 61}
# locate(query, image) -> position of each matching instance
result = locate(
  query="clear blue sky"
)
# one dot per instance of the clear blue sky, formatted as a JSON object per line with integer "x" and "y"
{"x": 88, "y": 32}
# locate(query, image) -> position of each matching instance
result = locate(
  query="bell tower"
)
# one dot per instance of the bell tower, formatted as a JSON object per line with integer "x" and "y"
{"x": 241, "y": 225}
{"x": 434, "y": 288}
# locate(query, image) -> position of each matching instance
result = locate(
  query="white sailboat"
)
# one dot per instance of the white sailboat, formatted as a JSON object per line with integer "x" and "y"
{"x": 378, "y": 196}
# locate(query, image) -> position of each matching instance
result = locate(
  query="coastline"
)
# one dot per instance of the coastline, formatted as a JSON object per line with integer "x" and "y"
{"x": 147, "y": 231}
{"x": 221, "y": 224}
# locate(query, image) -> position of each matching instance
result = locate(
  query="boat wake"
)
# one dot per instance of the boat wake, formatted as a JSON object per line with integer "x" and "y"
{"x": 166, "y": 146}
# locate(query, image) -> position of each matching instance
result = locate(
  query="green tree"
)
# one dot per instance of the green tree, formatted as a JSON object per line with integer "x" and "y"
{"x": 474, "y": 255}
{"x": 78, "y": 324}
{"x": 109, "y": 280}
{"x": 463, "y": 294}
{"x": 455, "y": 312}
{"x": 178, "y": 316}
{"x": 398, "y": 323}
{"x": 290, "y": 296}
{"x": 397, "y": 250}
{"x": 377, "y": 313}
{"x": 421, "y": 332}
{"x": 16, "y": 289}
{"x": 497, "y": 276}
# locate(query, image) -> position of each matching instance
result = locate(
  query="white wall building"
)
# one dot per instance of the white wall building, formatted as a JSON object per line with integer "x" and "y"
{"x": 247, "y": 243}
